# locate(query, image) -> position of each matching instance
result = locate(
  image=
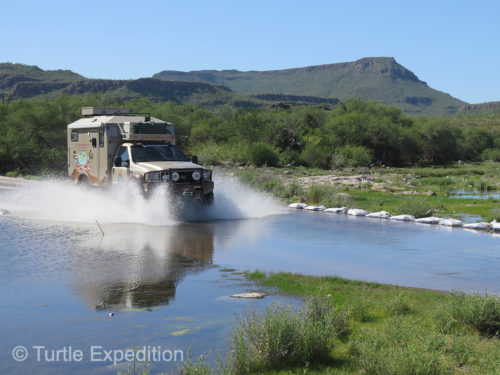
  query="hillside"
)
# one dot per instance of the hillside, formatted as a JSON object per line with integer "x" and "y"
{"x": 12, "y": 74}
{"x": 378, "y": 78}
{"x": 482, "y": 109}
{"x": 18, "y": 81}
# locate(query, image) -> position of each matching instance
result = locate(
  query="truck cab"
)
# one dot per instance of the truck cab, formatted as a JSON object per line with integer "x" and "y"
{"x": 111, "y": 146}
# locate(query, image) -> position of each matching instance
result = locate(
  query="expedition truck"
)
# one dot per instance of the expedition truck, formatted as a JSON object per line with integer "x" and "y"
{"x": 111, "y": 146}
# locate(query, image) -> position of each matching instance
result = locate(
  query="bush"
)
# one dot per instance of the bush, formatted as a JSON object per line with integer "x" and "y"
{"x": 360, "y": 307}
{"x": 402, "y": 348}
{"x": 284, "y": 337}
{"x": 215, "y": 154}
{"x": 416, "y": 206}
{"x": 16, "y": 173}
{"x": 351, "y": 156}
{"x": 289, "y": 157}
{"x": 326, "y": 195}
{"x": 315, "y": 156}
{"x": 478, "y": 311}
{"x": 491, "y": 154}
{"x": 261, "y": 154}
{"x": 399, "y": 305}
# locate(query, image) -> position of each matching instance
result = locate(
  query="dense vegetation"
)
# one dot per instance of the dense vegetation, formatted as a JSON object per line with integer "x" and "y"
{"x": 353, "y": 133}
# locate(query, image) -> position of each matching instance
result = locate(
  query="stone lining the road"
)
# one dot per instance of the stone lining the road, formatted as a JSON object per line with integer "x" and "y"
{"x": 450, "y": 222}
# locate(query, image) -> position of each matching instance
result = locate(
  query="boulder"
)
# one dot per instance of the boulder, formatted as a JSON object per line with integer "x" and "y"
{"x": 494, "y": 225}
{"x": 314, "y": 208}
{"x": 357, "y": 212}
{"x": 403, "y": 218}
{"x": 478, "y": 226}
{"x": 380, "y": 215}
{"x": 449, "y": 222}
{"x": 428, "y": 220}
{"x": 337, "y": 210}
{"x": 253, "y": 295}
{"x": 297, "y": 205}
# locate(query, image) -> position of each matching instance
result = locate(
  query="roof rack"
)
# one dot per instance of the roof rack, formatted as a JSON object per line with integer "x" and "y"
{"x": 103, "y": 111}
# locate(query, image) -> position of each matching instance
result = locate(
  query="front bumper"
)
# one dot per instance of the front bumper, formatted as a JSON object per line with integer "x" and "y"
{"x": 185, "y": 186}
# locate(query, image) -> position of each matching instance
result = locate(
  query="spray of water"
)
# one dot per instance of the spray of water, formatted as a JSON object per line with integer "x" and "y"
{"x": 62, "y": 201}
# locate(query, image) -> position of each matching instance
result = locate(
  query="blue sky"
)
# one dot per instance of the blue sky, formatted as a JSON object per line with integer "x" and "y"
{"x": 452, "y": 45}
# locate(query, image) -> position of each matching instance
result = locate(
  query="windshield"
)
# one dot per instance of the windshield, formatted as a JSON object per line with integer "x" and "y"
{"x": 144, "y": 153}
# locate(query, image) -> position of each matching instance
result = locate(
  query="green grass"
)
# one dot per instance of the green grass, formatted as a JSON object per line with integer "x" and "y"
{"x": 354, "y": 327}
{"x": 396, "y": 330}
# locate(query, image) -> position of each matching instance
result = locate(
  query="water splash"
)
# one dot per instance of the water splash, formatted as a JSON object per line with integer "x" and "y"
{"x": 60, "y": 200}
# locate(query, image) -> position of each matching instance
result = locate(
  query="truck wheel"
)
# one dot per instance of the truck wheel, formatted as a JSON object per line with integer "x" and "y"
{"x": 83, "y": 180}
{"x": 208, "y": 198}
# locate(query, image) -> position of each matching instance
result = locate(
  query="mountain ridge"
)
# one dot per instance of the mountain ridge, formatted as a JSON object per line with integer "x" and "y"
{"x": 378, "y": 78}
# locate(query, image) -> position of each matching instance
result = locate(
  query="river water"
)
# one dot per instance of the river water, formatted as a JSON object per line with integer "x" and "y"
{"x": 167, "y": 277}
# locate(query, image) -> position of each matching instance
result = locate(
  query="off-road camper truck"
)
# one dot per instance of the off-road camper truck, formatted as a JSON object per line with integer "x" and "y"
{"x": 111, "y": 146}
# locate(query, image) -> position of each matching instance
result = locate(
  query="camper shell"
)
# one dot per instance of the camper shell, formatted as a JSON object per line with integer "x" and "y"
{"x": 111, "y": 146}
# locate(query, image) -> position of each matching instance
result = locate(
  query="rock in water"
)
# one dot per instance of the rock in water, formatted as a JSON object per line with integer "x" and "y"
{"x": 337, "y": 210}
{"x": 357, "y": 212}
{"x": 314, "y": 208}
{"x": 478, "y": 226}
{"x": 428, "y": 220}
{"x": 451, "y": 222}
{"x": 253, "y": 295}
{"x": 403, "y": 218}
{"x": 297, "y": 205}
{"x": 3, "y": 211}
{"x": 380, "y": 215}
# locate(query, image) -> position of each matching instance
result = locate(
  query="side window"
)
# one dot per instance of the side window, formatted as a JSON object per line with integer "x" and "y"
{"x": 101, "y": 138}
{"x": 122, "y": 157}
{"x": 124, "y": 154}
{"x": 74, "y": 136}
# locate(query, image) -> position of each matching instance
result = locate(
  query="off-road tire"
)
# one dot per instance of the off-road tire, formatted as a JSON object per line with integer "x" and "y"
{"x": 208, "y": 199}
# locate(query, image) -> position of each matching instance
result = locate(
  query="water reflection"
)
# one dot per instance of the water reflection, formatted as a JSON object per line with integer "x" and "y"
{"x": 136, "y": 266}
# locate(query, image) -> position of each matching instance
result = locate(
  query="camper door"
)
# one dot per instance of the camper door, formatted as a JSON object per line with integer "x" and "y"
{"x": 121, "y": 166}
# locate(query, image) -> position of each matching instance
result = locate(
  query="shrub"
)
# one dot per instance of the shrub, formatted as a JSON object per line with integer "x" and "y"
{"x": 402, "y": 348}
{"x": 284, "y": 337}
{"x": 416, "y": 206}
{"x": 289, "y": 157}
{"x": 326, "y": 195}
{"x": 359, "y": 308}
{"x": 15, "y": 173}
{"x": 479, "y": 311}
{"x": 214, "y": 154}
{"x": 293, "y": 189}
{"x": 491, "y": 154}
{"x": 399, "y": 305}
{"x": 261, "y": 154}
{"x": 315, "y": 156}
{"x": 351, "y": 156}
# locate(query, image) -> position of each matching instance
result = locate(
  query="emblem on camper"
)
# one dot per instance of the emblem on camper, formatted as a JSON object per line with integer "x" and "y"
{"x": 82, "y": 160}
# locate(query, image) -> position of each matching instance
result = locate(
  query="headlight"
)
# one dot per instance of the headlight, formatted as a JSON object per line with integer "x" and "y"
{"x": 207, "y": 174}
{"x": 196, "y": 175}
{"x": 164, "y": 177}
{"x": 175, "y": 176}
{"x": 152, "y": 176}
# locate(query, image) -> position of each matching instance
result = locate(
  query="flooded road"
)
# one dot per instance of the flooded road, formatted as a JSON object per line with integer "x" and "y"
{"x": 169, "y": 285}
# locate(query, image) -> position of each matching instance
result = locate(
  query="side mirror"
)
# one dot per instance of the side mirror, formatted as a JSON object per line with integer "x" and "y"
{"x": 118, "y": 162}
{"x": 194, "y": 159}
{"x": 126, "y": 163}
